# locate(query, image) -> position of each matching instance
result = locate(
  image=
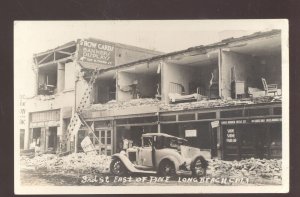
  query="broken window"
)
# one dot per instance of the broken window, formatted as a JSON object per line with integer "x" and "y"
{"x": 105, "y": 88}
{"x": 47, "y": 80}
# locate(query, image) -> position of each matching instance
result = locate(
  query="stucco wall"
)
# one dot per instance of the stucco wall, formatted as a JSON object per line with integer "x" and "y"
{"x": 176, "y": 74}
{"x": 126, "y": 55}
{"x": 243, "y": 65}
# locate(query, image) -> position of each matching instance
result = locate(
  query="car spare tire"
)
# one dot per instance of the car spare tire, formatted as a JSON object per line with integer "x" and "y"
{"x": 117, "y": 167}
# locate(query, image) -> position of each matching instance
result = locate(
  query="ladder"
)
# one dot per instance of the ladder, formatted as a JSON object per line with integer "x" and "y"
{"x": 84, "y": 102}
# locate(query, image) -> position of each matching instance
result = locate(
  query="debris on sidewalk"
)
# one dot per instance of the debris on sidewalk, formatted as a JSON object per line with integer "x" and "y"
{"x": 252, "y": 168}
{"x": 76, "y": 162}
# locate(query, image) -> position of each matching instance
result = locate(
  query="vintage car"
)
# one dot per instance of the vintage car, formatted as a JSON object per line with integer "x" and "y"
{"x": 160, "y": 153}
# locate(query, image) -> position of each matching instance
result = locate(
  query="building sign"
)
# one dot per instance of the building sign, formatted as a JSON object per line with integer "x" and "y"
{"x": 191, "y": 133}
{"x": 227, "y": 122}
{"x": 261, "y": 120}
{"x": 230, "y": 136}
{"x": 215, "y": 124}
{"x": 22, "y": 112}
{"x": 266, "y": 120}
{"x": 95, "y": 51}
{"x": 87, "y": 145}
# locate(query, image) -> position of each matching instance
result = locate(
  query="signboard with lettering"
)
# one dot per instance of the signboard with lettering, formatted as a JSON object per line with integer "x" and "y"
{"x": 87, "y": 145}
{"x": 230, "y": 136}
{"x": 191, "y": 133}
{"x": 215, "y": 124}
{"x": 95, "y": 51}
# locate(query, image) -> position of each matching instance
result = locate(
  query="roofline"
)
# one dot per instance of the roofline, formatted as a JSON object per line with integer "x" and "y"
{"x": 216, "y": 45}
{"x": 120, "y": 45}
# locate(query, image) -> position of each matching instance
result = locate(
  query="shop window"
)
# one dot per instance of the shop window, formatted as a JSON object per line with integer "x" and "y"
{"x": 183, "y": 117}
{"x": 137, "y": 120}
{"x": 257, "y": 112}
{"x": 231, "y": 113}
{"x": 277, "y": 111}
{"x": 210, "y": 115}
{"x": 275, "y": 135}
{"x": 168, "y": 118}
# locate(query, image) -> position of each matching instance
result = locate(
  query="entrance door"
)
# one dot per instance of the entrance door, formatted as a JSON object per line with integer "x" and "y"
{"x": 52, "y": 139}
{"x": 105, "y": 145}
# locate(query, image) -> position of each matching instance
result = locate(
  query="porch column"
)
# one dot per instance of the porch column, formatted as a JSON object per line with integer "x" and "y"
{"x": 60, "y": 77}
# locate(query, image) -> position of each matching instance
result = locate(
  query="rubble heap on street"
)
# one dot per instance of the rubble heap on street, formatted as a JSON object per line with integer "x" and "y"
{"x": 76, "y": 162}
{"x": 250, "y": 168}
{"x": 91, "y": 163}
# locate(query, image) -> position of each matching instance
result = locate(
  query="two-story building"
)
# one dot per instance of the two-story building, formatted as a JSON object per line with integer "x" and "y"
{"x": 58, "y": 74}
{"x": 224, "y": 98}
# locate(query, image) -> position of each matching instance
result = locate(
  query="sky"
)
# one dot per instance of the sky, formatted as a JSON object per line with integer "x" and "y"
{"x": 32, "y": 37}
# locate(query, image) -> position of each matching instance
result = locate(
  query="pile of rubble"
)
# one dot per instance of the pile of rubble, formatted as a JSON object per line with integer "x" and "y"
{"x": 124, "y": 104}
{"x": 250, "y": 168}
{"x": 76, "y": 162}
{"x": 114, "y": 105}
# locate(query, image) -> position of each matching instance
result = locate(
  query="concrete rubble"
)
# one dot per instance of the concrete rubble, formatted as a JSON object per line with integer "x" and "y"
{"x": 114, "y": 105}
{"x": 93, "y": 164}
{"x": 249, "y": 168}
{"x": 76, "y": 162}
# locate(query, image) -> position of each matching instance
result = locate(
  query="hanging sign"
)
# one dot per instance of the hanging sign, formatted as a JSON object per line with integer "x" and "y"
{"x": 215, "y": 124}
{"x": 230, "y": 136}
{"x": 87, "y": 145}
{"x": 95, "y": 51}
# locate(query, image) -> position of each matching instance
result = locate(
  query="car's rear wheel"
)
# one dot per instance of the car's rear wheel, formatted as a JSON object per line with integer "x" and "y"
{"x": 199, "y": 167}
{"x": 117, "y": 167}
{"x": 167, "y": 168}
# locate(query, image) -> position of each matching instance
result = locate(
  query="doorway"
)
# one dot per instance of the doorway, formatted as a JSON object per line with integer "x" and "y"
{"x": 52, "y": 138}
{"x": 105, "y": 141}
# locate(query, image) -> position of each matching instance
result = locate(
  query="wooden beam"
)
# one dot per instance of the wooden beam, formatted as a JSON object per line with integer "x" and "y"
{"x": 45, "y": 58}
{"x": 56, "y": 61}
{"x": 63, "y": 52}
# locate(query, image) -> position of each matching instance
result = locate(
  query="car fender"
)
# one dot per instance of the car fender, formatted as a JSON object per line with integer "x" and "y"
{"x": 173, "y": 159}
{"x": 125, "y": 161}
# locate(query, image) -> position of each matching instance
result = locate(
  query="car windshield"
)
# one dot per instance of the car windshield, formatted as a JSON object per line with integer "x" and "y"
{"x": 173, "y": 142}
{"x": 148, "y": 141}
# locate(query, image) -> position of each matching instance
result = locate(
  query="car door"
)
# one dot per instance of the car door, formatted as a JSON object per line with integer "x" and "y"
{"x": 146, "y": 152}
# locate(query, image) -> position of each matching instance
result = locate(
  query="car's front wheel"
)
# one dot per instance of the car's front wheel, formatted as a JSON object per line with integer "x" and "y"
{"x": 117, "y": 167}
{"x": 167, "y": 168}
{"x": 199, "y": 167}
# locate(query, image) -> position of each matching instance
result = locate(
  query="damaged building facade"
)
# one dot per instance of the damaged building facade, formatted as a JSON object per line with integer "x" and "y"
{"x": 59, "y": 75}
{"x": 224, "y": 98}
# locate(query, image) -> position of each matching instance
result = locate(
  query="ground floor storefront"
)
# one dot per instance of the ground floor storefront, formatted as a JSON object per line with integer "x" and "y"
{"x": 228, "y": 134}
{"x": 246, "y": 140}
{"x": 48, "y": 130}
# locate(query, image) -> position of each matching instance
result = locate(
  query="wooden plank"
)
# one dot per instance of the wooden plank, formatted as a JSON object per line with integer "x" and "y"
{"x": 45, "y": 58}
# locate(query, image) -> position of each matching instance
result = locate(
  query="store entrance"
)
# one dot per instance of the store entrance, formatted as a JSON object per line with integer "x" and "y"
{"x": 52, "y": 138}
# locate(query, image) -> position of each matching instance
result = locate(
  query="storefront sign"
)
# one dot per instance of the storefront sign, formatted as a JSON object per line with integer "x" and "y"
{"x": 215, "y": 124}
{"x": 87, "y": 145}
{"x": 226, "y": 122}
{"x": 95, "y": 51}
{"x": 191, "y": 133}
{"x": 266, "y": 120}
{"x": 230, "y": 136}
